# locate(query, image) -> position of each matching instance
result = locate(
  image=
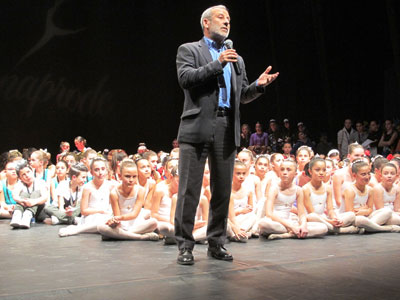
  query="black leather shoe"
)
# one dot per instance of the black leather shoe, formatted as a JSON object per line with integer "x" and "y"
{"x": 185, "y": 257}
{"x": 219, "y": 252}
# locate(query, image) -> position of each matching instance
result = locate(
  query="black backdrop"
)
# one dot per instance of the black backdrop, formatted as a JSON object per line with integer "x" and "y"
{"x": 106, "y": 69}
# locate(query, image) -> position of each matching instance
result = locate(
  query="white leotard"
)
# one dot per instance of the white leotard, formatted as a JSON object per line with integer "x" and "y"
{"x": 126, "y": 206}
{"x": 283, "y": 203}
{"x": 241, "y": 203}
{"x": 249, "y": 184}
{"x": 99, "y": 199}
{"x": 359, "y": 200}
{"x": 318, "y": 201}
{"x": 165, "y": 207}
{"x": 388, "y": 199}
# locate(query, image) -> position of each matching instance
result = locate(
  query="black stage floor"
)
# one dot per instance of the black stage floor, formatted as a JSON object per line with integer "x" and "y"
{"x": 37, "y": 264}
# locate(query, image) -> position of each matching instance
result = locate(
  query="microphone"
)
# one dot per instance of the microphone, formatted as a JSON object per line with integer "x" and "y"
{"x": 229, "y": 45}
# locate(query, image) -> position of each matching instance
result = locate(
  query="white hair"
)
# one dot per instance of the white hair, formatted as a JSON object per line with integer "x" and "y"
{"x": 208, "y": 13}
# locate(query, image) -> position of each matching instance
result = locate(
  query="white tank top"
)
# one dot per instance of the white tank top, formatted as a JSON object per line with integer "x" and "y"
{"x": 318, "y": 201}
{"x": 100, "y": 198}
{"x": 241, "y": 203}
{"x": 283, "y": 204}
{"x": 388, "y": 199}
{"x": 359, "y": 200}
{"x": 126, "y": 205}
{"x": 249, "y": 184}
{"x": 165, "y": 207}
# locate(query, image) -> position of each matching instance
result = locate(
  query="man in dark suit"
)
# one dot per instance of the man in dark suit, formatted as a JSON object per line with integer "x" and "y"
{"x": 210, "y": 128}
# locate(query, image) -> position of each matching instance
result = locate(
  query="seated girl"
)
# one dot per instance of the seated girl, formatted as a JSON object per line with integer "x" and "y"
{"x": 95, "y": 202}
{"x": 318, "y": 201}
{"x": 241, "y": 202}
{"x": 7, "y": 202}
{"x": 38, "y": 162}
{"x": 30, "y": 194}
{"x": 252, "y": 182}
{"x": 303, "y": 157}
{"x": 68, "y": 194}
{"x": 279, "y": 222}
{"x": 358, "y": 198}
{"x": 127, "y": 199}
{"x": 387, "y": 195}
{"x": 162, "y": 202}
{"x": 145, "y": 181}
{"x": 61, "y": 175}
{"x": 200, "y": 224}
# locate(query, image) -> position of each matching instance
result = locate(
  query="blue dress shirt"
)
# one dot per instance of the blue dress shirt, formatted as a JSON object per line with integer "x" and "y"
{"x": 224, "y": 82}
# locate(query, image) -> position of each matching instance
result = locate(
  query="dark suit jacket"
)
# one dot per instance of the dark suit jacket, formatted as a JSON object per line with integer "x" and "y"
{"x": 197, "y": 75}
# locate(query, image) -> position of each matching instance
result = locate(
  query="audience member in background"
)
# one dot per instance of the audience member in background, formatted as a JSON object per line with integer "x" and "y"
{"x": 359, "y": 135}
{"x": 389, "y": 138}
{"x": 374, "y": 135}
{"x": 302, "y": 141}
{"x": 258, "y": 140}
{"x": 287, "y": 132}
{"x": 175, "y": 143}
{"x": 275, "y": 140}
{"x": 343, "y": 138}
{"x": 323, "y": 146}
{"x": 64, "y": 148}
{"x": 244, "y": 137}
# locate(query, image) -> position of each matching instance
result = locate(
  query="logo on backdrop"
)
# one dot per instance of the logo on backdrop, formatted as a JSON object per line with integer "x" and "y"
{"x": 31, "y": 91}
{"x": 50, "y": 31}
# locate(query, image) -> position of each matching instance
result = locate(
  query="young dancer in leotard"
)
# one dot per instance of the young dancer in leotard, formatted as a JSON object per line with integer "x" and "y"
{"x": 127, "y": 199}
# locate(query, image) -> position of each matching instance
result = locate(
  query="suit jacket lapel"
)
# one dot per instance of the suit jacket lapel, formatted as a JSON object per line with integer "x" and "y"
{"x": 233, "y": 84}
{"x": 204, "y": 51}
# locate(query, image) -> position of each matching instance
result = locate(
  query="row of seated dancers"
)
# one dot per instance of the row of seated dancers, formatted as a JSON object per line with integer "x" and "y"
{"x": 271, "y": 196}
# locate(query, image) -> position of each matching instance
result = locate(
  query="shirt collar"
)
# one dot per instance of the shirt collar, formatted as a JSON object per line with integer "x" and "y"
{"x": 211, "y": 44}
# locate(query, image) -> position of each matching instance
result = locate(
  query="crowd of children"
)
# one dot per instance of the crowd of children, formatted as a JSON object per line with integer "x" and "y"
{"x": 133, "y": 197}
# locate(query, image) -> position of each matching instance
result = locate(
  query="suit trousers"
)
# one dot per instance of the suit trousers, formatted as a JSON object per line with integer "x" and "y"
{"x": 221, "y": 152}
